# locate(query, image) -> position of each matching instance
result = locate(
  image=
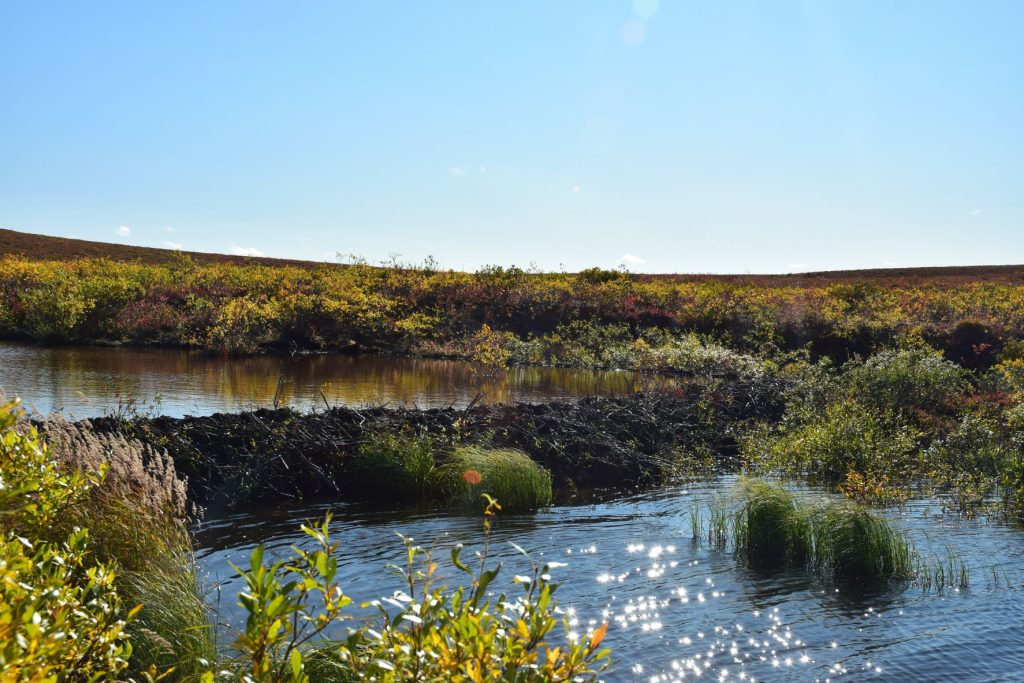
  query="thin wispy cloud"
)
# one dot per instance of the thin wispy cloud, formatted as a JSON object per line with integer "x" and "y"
{"x": 632, "y": 259}
{"x": 975, "y": 213}
{"x": 172, "y": 245}
{"x": 794, "y": 267}
{"x": 245, "y": 251}
{"x": 123, "y": 231}
{"x": 456, "y": 171}
{"x": 169, "y": 228}
{"x": 575, "y": 188}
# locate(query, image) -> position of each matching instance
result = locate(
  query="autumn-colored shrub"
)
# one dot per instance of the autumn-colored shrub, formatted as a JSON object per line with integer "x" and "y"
{"x": 251, "y": 307}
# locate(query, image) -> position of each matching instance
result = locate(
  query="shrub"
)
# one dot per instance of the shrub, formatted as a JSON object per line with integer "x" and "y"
{"x": 892, "y": 381}
{"x": 981, "y": 462}
{"x": 847, "y": 436}
{"x": 506, "y": 474}
{"x": 54, "y": 310}
{"x": 61, "y": 617}
{"x": 242, "y": 325}
{"x": 973, "y": 344}
{"x": 425, "y": 632}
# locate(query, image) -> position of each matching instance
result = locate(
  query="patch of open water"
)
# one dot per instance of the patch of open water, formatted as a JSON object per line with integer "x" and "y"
{"x": 85, "y": 381}
{"x": 679, "y": 610}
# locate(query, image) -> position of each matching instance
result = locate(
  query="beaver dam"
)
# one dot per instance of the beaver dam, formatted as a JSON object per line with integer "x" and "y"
{"x": 889, "y": 551}
{"x": 231, "y": 459}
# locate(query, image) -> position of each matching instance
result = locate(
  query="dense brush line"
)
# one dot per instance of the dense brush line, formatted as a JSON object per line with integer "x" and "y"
{"x": 497, "y": 313}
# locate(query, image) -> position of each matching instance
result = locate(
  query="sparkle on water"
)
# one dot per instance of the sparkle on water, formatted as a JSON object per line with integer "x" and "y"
{"x": 679, "y": 611}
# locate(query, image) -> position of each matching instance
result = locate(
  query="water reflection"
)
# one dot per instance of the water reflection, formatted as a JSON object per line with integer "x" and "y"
{"x": 88, "y": 381}
{"x": 678, "y": 609}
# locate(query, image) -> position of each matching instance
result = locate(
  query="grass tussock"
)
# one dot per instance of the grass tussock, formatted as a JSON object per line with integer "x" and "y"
{"x": 394, "y": 467}
{"x": 772, "y": 530}
{"x": 855, "y": 546}
{"x": 844, "y": 543}
{"x": 505, "y": 474}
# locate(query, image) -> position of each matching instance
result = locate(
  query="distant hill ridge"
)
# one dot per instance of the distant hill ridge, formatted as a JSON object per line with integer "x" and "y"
{"x": 47, "y": 248}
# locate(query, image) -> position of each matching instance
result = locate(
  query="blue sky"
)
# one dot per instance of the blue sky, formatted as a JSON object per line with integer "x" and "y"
{"x": 672, "y": 136}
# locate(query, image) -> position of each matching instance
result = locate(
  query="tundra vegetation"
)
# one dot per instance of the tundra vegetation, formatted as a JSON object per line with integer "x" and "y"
{"x": 876, "y": 392}
{"x": 500, "y": 315}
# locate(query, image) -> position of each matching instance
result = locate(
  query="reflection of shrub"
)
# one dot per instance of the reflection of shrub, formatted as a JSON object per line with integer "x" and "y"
{"x": 508, "y": 475}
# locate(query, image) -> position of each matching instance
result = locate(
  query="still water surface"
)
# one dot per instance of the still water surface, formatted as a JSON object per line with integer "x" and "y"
{"x": 677, "y": 608}
{"x": 92, "y": 381}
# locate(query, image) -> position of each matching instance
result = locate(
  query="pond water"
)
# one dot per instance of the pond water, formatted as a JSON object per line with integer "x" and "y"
{"x": 677, "y": 608}
{"x": 93, "y": 381}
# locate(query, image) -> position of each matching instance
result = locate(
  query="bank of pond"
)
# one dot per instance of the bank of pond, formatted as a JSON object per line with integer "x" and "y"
{"x": 795, "y": 522}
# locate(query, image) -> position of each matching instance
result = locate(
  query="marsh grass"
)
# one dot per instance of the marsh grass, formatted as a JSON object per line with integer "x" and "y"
{"x": 505, "y": 474}
{"x": 859, "y": 548}
{"x": 940, "y": 573}
{"x": 173, "y": 627}
{"x": 772, "y": 529}
{"x": 394, "y": 467}
{"x": 156, "y": 570}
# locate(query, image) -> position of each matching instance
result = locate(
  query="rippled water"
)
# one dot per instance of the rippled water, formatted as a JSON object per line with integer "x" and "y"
{"x": 92, "y": 381}
{"x": 677, "y": 608}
